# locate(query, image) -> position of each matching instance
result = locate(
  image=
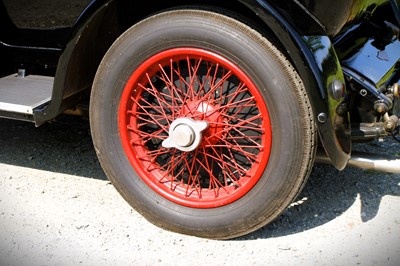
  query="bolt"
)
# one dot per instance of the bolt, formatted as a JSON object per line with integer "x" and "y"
{"x": 341, "y": 109}
{"x": 390, "y": 125}
{"x": 380, "y": 107}
{"x": 395, "y": 89}
{"x": 363, "y": 92}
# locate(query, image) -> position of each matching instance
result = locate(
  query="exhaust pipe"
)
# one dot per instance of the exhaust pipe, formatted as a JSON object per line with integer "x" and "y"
{"x": 367, "y": 161}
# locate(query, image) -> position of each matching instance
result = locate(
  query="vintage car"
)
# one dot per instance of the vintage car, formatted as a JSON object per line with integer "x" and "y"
{"x": 208, "y": 116}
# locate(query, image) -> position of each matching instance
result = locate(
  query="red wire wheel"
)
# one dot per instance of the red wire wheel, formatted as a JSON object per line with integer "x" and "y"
{"x": 201, "y": 86}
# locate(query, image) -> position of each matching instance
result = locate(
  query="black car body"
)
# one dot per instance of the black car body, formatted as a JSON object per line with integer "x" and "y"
{"x": 345, "y": 52}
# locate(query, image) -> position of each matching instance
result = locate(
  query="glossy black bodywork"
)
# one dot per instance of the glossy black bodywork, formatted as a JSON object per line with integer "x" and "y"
{"x": 310, "y": 64}
{"x": 373, "y": 53}
{"x": 319, "y": 37}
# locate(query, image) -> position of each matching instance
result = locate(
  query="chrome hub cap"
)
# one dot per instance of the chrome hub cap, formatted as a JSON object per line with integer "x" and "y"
{"x": 185, "y": 134}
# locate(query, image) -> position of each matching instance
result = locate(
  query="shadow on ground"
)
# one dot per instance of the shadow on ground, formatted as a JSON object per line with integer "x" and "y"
{"x": 329, "y": 193}
{"x": 65, "y": 146}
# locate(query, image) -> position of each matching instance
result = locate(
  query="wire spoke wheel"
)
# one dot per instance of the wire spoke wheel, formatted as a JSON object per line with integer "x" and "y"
{"x": 231, "y": 153}
{"x": 201, "y": 123}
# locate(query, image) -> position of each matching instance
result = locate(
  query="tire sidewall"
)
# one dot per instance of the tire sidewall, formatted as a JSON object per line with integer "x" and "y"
{"x": 253, "y": 54}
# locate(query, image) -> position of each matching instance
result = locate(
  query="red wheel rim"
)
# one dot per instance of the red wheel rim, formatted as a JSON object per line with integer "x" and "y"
{"x": 204, "y": 86}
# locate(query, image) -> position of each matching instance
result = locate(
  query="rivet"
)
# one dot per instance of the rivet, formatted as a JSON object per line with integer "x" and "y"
{"x": 322, "y": 117}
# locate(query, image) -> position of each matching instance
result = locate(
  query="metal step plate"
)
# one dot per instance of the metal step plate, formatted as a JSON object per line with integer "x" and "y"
{"x": 23, "y": 94}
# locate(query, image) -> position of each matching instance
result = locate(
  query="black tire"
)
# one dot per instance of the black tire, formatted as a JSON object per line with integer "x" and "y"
{"x": 277, "y": 86}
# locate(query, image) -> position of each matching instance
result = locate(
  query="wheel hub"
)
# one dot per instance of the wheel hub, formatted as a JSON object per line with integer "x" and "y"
{"x": 207, "y": 112}
{"x": 185, "y": 134}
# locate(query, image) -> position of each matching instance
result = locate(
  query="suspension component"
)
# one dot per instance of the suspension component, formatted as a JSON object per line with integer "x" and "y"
{"x": 382, "y": 103}
{"x": 395, "y": 90}
{"x": 365, "y": 131}
{"x": 390, "y": 122}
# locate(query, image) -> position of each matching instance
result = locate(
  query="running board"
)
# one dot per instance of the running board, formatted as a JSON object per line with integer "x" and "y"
{"x": 367, "y": 161}
{"x": 19, "y": 94}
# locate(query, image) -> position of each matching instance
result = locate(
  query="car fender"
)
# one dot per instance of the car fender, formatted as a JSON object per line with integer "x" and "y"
{"x": 315, "y": 59}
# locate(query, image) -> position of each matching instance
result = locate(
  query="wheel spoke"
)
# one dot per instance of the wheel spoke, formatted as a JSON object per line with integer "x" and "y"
{"x": 193, "y": 87}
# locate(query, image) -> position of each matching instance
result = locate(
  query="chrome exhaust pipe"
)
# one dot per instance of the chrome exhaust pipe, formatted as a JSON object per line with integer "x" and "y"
{"x": 367, "y": 161}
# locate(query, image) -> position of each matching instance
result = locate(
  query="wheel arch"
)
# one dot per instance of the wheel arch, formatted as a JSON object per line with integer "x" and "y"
{"x": 313, "y": 55}
{"x": 103, "y": 21}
